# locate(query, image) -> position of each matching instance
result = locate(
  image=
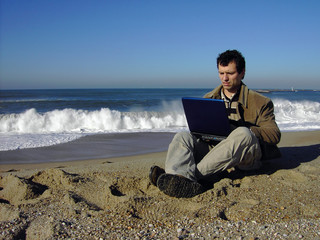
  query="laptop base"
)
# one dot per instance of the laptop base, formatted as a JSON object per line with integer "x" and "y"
{"x": 207, "y": 137}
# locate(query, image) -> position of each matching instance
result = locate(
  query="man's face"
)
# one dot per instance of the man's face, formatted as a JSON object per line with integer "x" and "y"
{"x": 230, "y": 78}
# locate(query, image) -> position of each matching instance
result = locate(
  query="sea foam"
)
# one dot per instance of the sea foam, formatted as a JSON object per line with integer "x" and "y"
{"x": 80, "y": 121}
{"x": 297, "y": 115}
{"x": 33, "y": 129}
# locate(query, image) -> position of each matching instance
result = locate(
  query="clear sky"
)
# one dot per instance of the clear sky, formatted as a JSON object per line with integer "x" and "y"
{"x": 153, "y": 43}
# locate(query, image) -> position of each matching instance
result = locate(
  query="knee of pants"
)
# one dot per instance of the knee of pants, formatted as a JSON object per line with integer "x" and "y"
{"x": 242, "y": 133}
{"x": 183, "y": 137}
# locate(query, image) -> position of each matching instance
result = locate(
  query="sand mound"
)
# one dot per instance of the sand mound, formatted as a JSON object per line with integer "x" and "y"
{"x": 56, "y": 178}
{"x": 16, "y": 189}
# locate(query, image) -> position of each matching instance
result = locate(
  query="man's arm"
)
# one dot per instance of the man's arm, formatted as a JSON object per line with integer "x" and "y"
{"x": 266, "y": 128}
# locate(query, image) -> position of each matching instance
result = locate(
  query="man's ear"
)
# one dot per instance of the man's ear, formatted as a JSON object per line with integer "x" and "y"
{"x": 243, "y": 73}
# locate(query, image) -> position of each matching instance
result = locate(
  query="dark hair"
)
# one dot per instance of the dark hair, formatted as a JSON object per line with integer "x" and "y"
{"x": 232, "y": 56}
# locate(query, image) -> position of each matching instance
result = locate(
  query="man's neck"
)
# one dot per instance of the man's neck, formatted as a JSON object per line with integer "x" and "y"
{"x": 229, "y": 94}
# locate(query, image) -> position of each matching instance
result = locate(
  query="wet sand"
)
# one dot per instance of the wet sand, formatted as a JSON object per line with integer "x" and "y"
{"x": 91, "y": 147}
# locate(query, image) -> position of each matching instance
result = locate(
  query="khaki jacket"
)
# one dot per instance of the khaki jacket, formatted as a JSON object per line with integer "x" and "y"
{"x": 257, "y": 113}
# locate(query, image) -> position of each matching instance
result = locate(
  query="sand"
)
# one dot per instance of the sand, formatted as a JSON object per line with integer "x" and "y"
{"x": 111, "y": 198}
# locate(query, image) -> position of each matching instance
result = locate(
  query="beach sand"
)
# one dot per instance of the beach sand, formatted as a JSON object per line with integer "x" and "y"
{"x": 110, "y": 197}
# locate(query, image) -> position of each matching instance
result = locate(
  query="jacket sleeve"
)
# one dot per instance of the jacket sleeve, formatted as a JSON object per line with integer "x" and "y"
{"x": 266, "y": 128}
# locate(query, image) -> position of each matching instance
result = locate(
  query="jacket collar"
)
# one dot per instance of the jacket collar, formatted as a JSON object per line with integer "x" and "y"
{"x": 243, "y": 95}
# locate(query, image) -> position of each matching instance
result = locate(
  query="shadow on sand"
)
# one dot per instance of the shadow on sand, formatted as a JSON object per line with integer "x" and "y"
{"x": 291, "y": 158}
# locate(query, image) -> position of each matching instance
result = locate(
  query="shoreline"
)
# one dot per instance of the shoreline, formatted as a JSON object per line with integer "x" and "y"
{"x": 91, "y": 147}
{"x": 157, "y": 143}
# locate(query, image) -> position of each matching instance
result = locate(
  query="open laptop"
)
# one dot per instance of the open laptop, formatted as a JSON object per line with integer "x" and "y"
{"x": 207, "y": 118}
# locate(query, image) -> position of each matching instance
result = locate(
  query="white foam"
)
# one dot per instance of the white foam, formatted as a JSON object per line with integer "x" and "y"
{"x": 297, "y": 115}
{"x": 79, "y": 121}
{"x": 20, "y": 141}
{"x": 32, "y": 129}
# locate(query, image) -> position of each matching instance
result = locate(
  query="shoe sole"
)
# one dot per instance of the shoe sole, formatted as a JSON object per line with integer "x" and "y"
{"x": 179, "y": 187}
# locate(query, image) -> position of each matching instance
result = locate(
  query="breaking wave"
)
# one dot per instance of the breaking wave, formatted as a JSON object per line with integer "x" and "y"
{"x": 33, "y": 129}
{"x": 297, "y": 115}
{"x": 80, "y": 121}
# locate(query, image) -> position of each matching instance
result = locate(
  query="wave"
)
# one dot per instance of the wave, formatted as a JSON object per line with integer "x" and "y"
{"x": 31, "y": 100}
{"x": 297, "y": 115}
{"x": 82, "y": 121}
{"x": 290, "y": 115}
{"x": 33, "y": 129}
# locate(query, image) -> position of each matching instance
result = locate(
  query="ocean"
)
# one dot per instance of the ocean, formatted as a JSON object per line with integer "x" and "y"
{"x": 38, "y": 118}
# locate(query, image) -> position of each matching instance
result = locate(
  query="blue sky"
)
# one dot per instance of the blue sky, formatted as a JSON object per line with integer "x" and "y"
{"x": 106, "y": 44}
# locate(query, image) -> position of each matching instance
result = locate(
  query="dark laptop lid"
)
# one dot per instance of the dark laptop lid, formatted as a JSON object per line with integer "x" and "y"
{"x": 206, "y": 116}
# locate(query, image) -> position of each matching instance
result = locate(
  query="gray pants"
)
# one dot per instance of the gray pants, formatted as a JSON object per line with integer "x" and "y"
{"x": 195, "y": 159}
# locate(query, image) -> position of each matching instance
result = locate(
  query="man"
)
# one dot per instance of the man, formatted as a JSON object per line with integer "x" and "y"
{"x": 255, "y": 135}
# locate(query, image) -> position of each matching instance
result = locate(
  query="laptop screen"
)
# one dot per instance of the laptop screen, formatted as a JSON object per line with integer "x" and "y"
{"x": 206, "y": 116}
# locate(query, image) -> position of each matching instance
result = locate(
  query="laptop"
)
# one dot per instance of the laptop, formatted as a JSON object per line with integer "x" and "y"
{"x": 207, "y": 118}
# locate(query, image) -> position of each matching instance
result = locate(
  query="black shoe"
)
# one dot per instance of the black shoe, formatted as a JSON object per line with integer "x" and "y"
{"x": 178, "y": 186}
{"x": 155, "y": 173}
